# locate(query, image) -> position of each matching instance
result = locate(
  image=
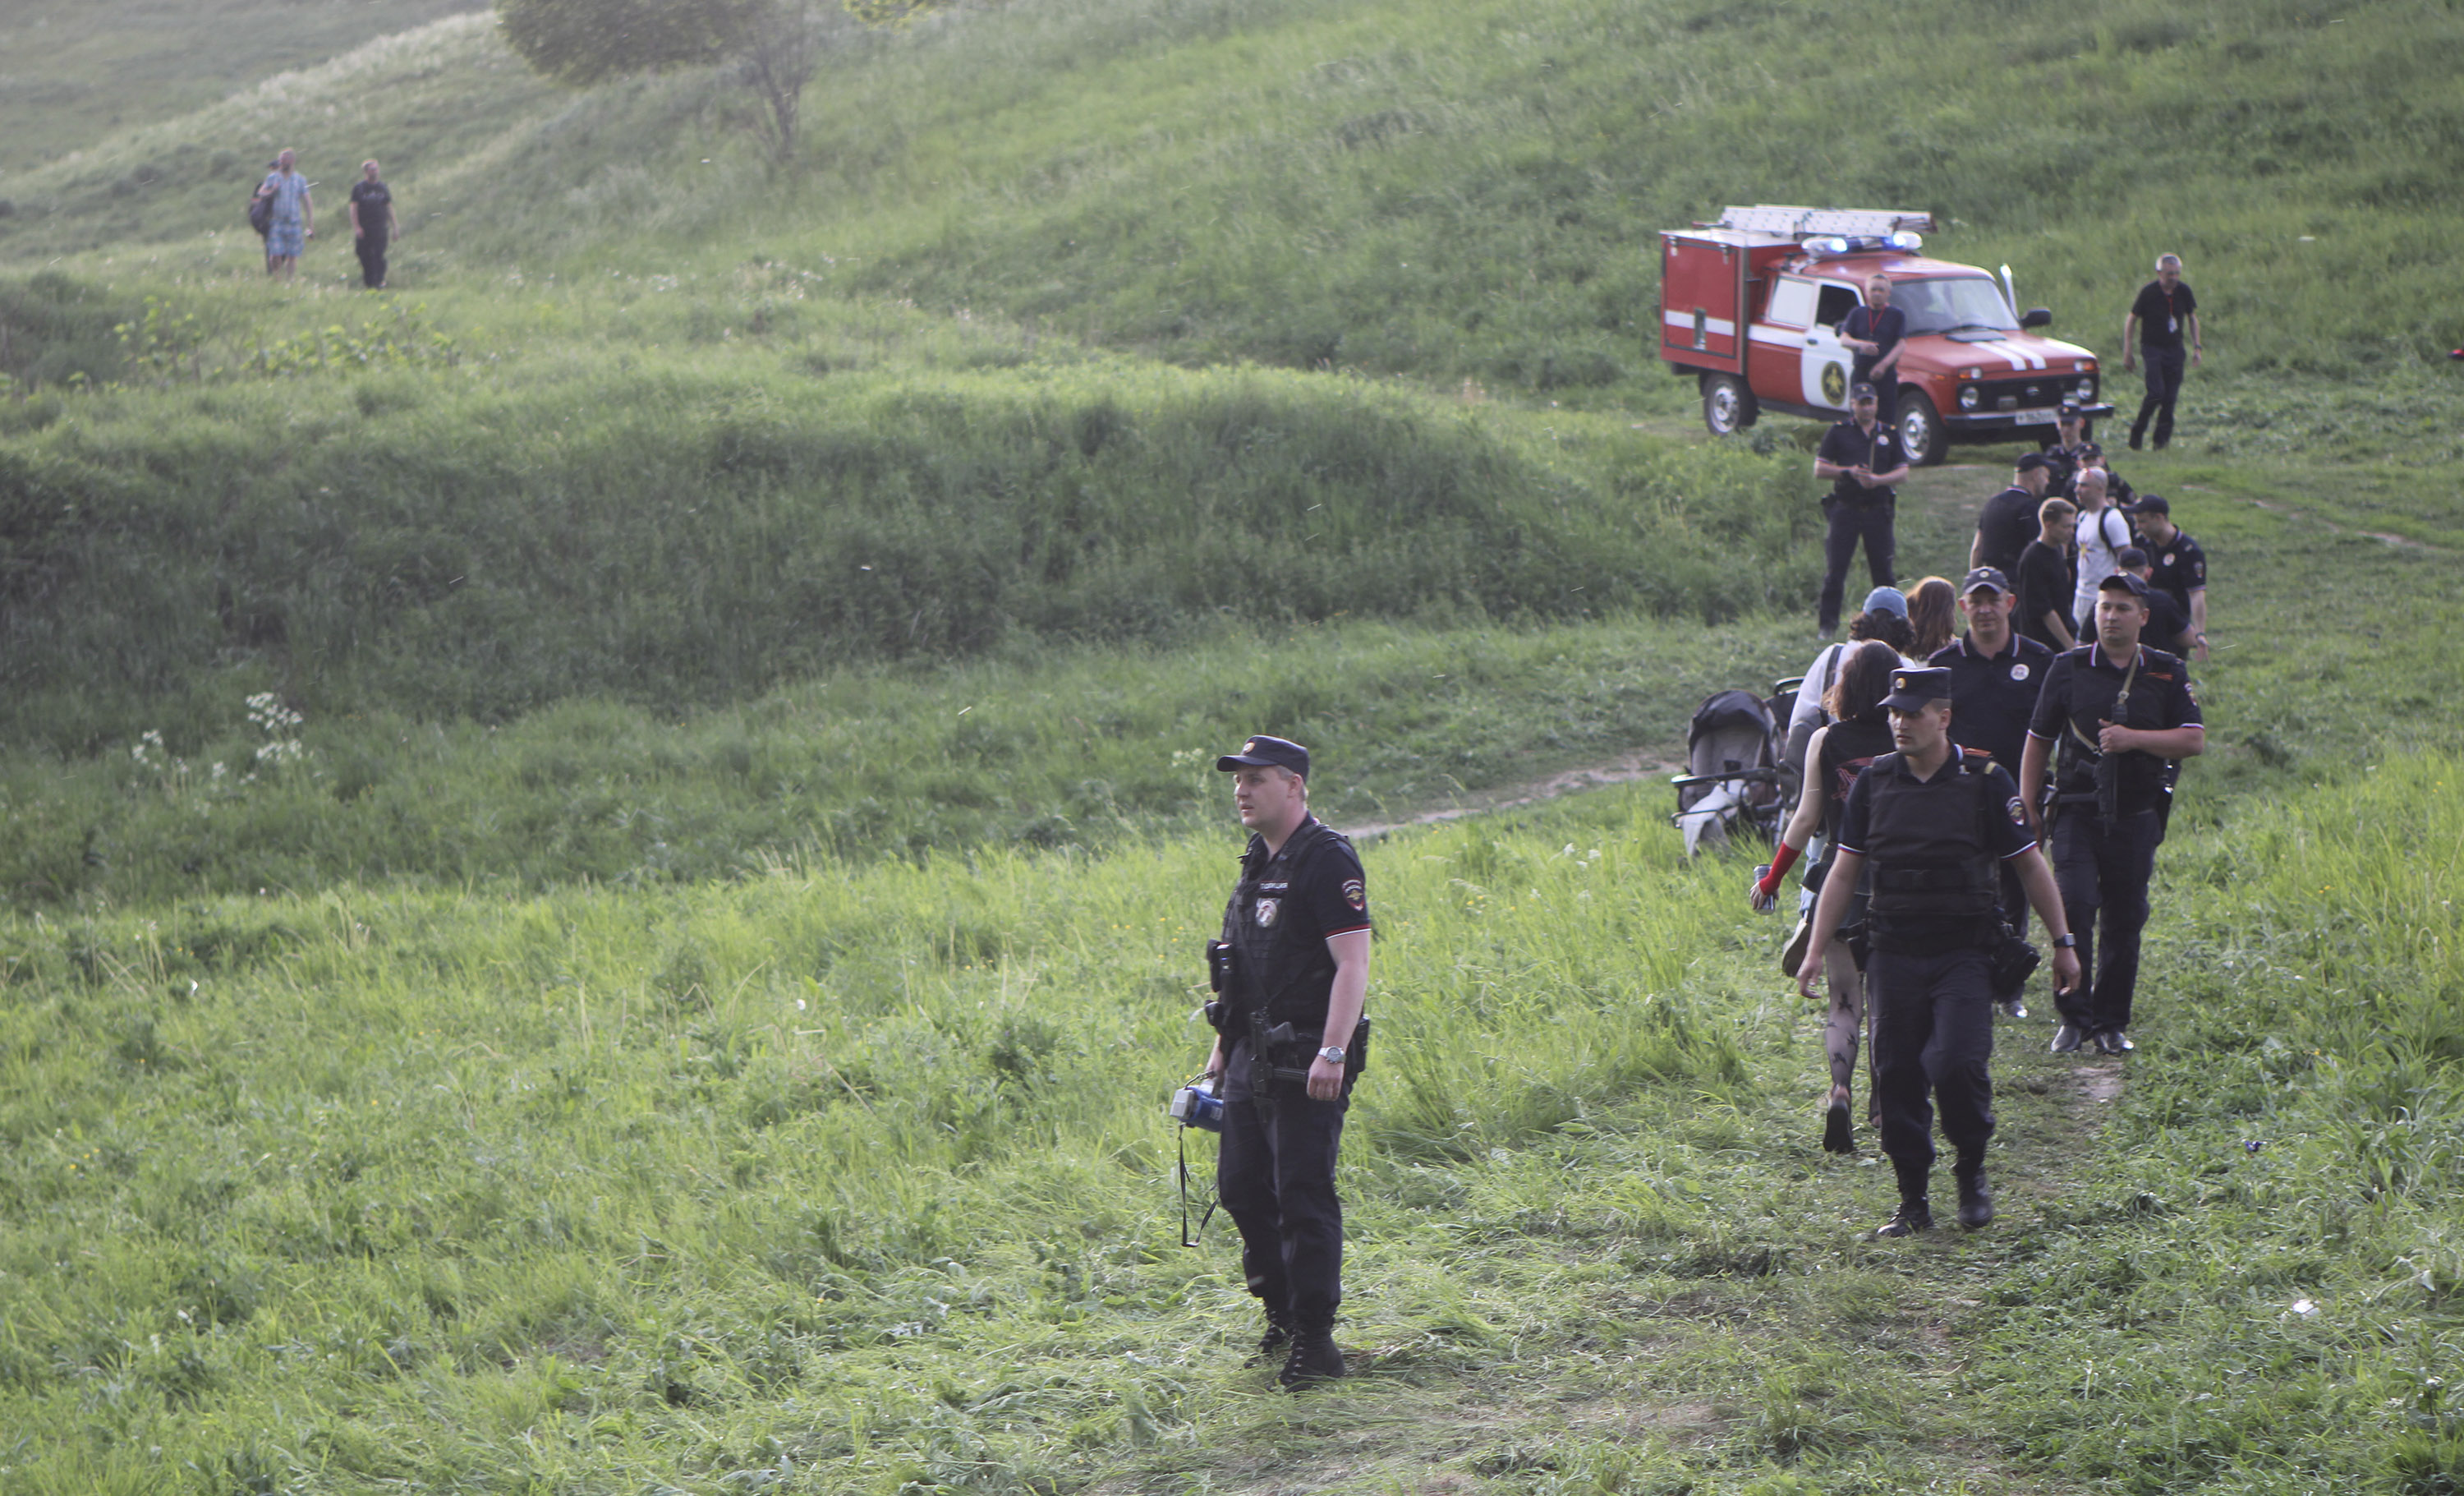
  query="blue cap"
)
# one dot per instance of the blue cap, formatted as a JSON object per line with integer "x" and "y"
{"x": 1268, "y": 753}
{"x": 1886, "y": 600}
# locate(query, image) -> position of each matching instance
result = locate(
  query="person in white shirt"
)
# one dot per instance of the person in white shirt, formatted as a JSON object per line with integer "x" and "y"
{"x": 2103, "y": 535}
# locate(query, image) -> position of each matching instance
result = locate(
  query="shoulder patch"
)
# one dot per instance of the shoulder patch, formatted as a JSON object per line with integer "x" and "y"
{"x": 1355, "y": 895}
{"x": 2018, "y": 810}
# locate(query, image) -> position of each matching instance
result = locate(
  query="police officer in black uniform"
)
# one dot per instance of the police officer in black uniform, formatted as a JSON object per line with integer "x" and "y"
{"x": 1292, "y": 968}
{"x": 2114, "y": 719}
{"x": 1996, "y": 675}
{"x": 1861, "y": 456}
{"x": 1938, "y": 822}
{"x": 2177, "y": 563}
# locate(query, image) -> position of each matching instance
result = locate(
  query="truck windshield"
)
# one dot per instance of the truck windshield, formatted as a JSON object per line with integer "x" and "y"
{"x": 1948, "y": 305}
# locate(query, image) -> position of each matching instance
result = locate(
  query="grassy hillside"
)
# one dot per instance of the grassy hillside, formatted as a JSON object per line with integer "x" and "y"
{"x": 1446, "y": 191}
{"x": 73, "y": 73}
{"x": 855, "y": 1180}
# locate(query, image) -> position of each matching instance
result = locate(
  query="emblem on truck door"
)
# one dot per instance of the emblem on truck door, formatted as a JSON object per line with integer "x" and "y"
{"x": 1835, "y": 383}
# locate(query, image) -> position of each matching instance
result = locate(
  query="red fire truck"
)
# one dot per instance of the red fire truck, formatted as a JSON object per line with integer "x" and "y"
{"x": 1750, "y": 306}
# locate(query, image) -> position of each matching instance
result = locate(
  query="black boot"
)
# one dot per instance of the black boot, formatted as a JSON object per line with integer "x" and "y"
{"x": 1279, "y": 1333}
{"x": 1314, "y": 1357}
{"x": 1975, "y": 1197}
{"x": 1839, "y": 1133}
{"x": 1913, "y": 1217}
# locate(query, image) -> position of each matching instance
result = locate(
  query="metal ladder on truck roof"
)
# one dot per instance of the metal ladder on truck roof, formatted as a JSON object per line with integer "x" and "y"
{"x": 1859, "y": 222}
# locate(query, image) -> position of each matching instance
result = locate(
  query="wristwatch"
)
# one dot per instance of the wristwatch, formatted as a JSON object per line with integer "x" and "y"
{"x": 1332, "y": 1054}
{"x": 2065, "y": 942}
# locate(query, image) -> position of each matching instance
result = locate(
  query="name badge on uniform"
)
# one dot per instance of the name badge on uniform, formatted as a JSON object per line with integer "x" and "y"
{"x": 2018, "y": 670}
{"x": 1267, "y": 908}
{"x": 2172, "y": 324}
{"x": 2168, "y": 557}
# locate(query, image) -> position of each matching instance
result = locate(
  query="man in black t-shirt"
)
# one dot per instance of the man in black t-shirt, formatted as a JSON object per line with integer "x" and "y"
{"x": 2007, "y": 521}
{"x": 1287, "y": 1049}
{"x": 2177, "y": 565}
{"x": 2166, "y": 311}
{"x": 373, "y": 224}
{"x": 1861, "y": 457}
{"x": 1872, "y": 335}
{"x": 2114, "y": 719}
{"x": 2045, "y": 583}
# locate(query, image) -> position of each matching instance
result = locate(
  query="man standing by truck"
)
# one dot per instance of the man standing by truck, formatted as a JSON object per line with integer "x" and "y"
{"x": 2166, "y": 309}
{"x": 1863, "y": 459}
{"x": 1872, "y": 334}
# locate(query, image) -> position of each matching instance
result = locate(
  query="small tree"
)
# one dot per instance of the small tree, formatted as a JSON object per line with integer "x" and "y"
{"x": 583, "y": 42}
{"x": 773, "y": 45}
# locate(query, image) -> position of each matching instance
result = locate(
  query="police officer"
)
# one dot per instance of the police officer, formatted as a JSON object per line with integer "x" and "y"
{"x": 1293, "y": 970}
{"x": 1938, "y": 822}
{"x": 2176, "y": 565}
{"x": 2007, "y": 521}
{"x": 2114, "y": 719}
{"x": 1861, "y": 457}
{"x": 1995, "y": 675}
{"x": 2069, "y": 452}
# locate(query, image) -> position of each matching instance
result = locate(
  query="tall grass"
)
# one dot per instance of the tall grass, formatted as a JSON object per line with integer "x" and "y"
{"x": 843, "y": 1178}
{"x": 457, "y": 544}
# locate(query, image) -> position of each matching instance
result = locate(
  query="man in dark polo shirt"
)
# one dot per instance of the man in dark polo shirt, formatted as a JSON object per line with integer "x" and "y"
{"x": 1872, "y": 334}
{"x": 1292, "y": 967}
{"x": 2045, "y": 579}
{"x": 2176, "y": 565}
{"x": 2164, "y": 314}
{"x": 2070, "y": 450}
{"x": 2114, "y": 719}
{"x": 1995, "y": 675}
{"x": 2007, "y": 521}
{"x": 1861, "y": 457}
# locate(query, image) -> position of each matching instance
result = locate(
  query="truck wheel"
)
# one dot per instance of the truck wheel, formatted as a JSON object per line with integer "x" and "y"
{"x": 1727, "y": 405}
{"x": 1921, "y": 434}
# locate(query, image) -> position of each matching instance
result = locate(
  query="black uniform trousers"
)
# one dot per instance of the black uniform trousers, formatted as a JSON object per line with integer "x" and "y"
{"x": 1933, "y": 1037}
{"x": 2102, "y": 872}
{"x": 2165, "y": 363}
{"x": 1851, "y": 522}
{"x": 1275, "y": 1175}
{"x": 372, "y": 259}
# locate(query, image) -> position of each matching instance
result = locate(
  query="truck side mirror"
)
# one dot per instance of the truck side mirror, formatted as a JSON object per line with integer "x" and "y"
{"x": 2038, "y": 316}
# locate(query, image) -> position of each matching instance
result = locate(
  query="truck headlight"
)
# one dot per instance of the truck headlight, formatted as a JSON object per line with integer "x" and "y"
{"x": 2087, "y": 389}
{"x": 1967, "y": 397}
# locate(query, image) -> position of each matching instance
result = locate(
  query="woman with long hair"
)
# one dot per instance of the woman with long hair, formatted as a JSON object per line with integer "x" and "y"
{"x": 1860, "y": 733}
{"x": 1933, "y": 615}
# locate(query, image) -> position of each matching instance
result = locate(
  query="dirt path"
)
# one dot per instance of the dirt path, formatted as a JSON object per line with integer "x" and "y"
{"x": 1624, "y": 770}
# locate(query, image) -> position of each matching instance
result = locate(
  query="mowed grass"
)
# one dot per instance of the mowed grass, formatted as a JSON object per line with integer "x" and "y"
{"x": 854, "y": 1178}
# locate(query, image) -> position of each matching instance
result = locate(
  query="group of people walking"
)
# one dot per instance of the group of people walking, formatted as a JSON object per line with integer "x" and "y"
{"x": 1939, "y": 768}
{"x": 284, "y": 211}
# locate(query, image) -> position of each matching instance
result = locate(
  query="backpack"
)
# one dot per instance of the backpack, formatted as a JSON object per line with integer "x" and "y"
{"x": 260, "y": 213}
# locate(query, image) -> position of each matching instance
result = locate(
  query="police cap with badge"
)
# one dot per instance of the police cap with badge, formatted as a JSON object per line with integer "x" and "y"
{"x": 1266, "y": 753}
{"x": 1915, "y": 690}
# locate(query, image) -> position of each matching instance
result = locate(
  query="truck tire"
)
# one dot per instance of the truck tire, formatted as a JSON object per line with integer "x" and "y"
{"x": 1727, "y": 405}
{"x": 1921, "y": 434}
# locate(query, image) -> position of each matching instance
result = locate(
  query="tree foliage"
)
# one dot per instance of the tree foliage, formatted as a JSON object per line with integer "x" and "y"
{"x": 588, "y": 41}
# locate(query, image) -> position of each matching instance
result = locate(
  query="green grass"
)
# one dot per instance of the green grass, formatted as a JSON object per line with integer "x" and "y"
{"x": 853, "y": 1179}
{"x": 76, "y": 73}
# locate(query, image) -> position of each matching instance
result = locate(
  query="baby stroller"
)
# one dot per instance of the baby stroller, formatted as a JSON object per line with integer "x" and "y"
{"x": 1734, "y": 779}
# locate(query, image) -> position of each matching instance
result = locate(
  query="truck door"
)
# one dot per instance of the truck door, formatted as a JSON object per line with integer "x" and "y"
{"x": 1777, "y": 346}
{"x": 1824, "y": 368}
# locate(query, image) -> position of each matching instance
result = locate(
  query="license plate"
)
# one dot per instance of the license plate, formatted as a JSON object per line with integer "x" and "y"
{"x": 2034, "y": 418}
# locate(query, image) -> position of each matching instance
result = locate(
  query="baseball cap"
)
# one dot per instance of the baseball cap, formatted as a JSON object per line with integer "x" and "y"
{"x": 2124, "y": 582}
{"x": 2032, "y": 461}
{"x": 2152, "y": 504}
{"x": 1986, "y": 577}
{"x": 1268, "y": 753}
{"x": 1860, "y": 392}
{"x": 1915, "y": 690}
{"x": 1885, "y": 600}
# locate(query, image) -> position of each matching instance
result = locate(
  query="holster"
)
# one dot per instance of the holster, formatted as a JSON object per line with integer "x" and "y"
{"x": 1283, "y": 1055}
{"x": 2010, "y": 961}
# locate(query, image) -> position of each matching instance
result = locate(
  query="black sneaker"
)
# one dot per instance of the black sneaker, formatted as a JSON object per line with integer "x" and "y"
{"x": 1914, "y": 1215}
{"x": 2066, "y": 1039}
{"x": 2015, "y": 1007}
{"x": 1838, "y": 1135}
{"x": 1975, "y": 1200}
{"x": 1314, "y": 1358}
{"x": 1271, "y": 1345}
{"x": 2114, "y": 1041}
